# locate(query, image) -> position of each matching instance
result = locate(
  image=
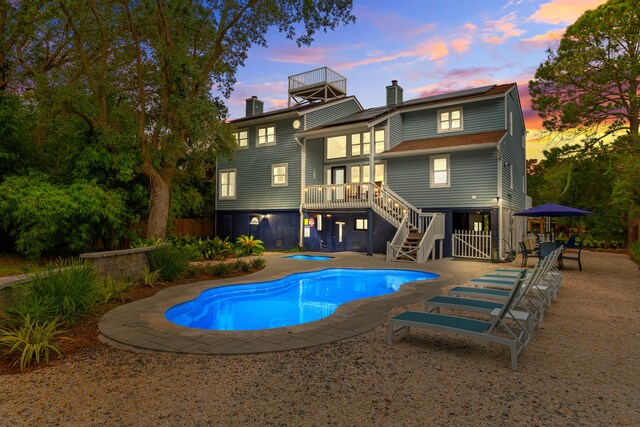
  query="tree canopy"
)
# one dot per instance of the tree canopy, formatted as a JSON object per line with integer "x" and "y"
{"x": 133, "y": 79}
{"x": 590, "y": 85}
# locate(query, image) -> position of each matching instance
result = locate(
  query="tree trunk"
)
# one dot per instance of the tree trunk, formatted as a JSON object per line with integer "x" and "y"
{"x": 158, "y": 205}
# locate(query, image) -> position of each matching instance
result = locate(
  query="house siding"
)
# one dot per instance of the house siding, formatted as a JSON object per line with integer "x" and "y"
{"x": 481, "y": 116}
{"x": 513, "y": 155}
{"x": 473, "y": 172}
{"x": 331, "y": 112}
{"x": 396, "y": 131}
{"x": 253, "y": 177}
{"x": 315, "y": 162}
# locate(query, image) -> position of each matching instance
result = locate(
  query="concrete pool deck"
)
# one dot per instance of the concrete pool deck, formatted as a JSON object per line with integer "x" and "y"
{"x": 141, "y": 325}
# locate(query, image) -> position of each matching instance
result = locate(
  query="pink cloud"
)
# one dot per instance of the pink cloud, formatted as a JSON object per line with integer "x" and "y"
{"x": 546, "y": 39}
{"x": 563, "y": 11}
{"x": 460, "y": 45}
{"x": 432, "y": 50}
{"x": 502, "y": 29}
{"x": 305, "y": 55}
{"x": 470, "y": 27}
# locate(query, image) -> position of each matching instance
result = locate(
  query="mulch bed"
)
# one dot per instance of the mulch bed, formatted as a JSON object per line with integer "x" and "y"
{"x": 83, "y": 337}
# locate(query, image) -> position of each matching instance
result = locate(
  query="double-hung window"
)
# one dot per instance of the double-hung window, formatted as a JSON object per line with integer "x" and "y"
{"x": 279, "y": 175}
{"x": 266, "y": 135}
{"x": 450, "y": 120}
{"x": 227, "y": 184}
{"x": 440, "y": 171}
{"x": 379, "y": 140}
{"x": 242, "y": 138}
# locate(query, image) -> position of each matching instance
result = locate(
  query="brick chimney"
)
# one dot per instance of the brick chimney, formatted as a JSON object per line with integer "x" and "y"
{"x": 255, "y": 107}
{"x": 394, "y": 94}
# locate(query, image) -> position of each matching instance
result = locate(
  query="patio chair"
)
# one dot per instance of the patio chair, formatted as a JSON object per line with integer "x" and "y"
{"x": 496, "y": 331}
{"x": 526, "y": 253}
{"x": 527, "y": 312}
{"x": 572, "y": 254}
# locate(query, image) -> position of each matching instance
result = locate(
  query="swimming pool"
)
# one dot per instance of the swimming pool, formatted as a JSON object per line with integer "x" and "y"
{"x": 292, "y": 300}
{"x": 310, "y": 257}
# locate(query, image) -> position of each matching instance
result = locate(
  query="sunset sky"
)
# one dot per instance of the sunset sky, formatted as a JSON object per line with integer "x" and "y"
{"x": 429, "y": 46}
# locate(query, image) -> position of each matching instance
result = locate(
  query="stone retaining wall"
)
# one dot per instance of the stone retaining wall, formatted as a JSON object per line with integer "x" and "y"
{"x": 121, "y": 264}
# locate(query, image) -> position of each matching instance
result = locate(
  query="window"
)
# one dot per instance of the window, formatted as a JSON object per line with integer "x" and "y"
{"x": 356, "y": 144}
{"x": 355, "y": 173}
{"x": 450, "y": 120}
{"x": 440, "y": 171}
{"x": 267, "y": 135}
{"x": 279, "y": 175}
{"x": 366, "y": 143}
{"x": 242, "y": 138}
{"x": 379, "y": 172}
{"x": 228, "y": 184}
{"x": 319, "y": 222}
{"x": 362, "y": 173}
{"x": 362, "y": 223}
{"x": 379, "y": 140}
{"x": 337, "y": 147}
{"x": 524, "y": 184}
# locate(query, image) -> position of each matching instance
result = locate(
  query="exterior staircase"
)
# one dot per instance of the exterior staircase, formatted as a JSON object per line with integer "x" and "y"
{"x": 417, "y": 232}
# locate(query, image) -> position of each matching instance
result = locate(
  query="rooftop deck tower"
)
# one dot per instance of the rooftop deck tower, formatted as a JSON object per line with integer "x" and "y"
{"x": 316, "y": 85}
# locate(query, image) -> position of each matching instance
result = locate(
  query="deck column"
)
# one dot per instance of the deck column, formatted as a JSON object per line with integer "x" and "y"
{"x": 369, "y": 232}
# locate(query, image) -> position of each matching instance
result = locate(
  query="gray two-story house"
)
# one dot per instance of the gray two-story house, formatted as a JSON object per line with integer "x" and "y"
{"x": 434, "y": 176}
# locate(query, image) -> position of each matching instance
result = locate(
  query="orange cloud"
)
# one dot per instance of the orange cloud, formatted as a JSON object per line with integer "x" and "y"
{"x": 470, "y": 27}
{"x": 502, "y": 29}
{"x": 546, "y": 39}
{"x": 563, "y": 11}
{"x": 460, "y": 45}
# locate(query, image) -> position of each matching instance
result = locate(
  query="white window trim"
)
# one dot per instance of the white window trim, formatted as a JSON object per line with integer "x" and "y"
{"x": 242, "y": 147}
{"x": 286, "y": 174}
{"x": 431, "y": 171}
{"x": 235, "y": 184}
{"x": 511, "y": 176}
{"x": 449, "y": 110}
{"x": 511, "y": 123}
{"x": 266, "y": 144}
{"x": 365, "y": 224}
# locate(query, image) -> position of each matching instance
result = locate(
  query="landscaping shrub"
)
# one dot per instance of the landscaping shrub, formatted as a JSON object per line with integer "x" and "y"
{"x": 221, "y": 269}
{"x": 215, "y": 248}
{"x": 248, "y": 245}
{"x": 46, "y": 218}
{"x": 41, "y": 309}
{"x": 150, "y": 277}
{"x": 70, "y": 287}
{"x": 634, "y": 248}
{"x": 109, "y": 288}
{"x": 257, "y": 263}
{"x": 29, "y": 340}
{"x": 171, "y": 260}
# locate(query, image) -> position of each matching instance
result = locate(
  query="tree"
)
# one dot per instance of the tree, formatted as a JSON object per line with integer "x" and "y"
{"x": 140, "y": 75}
{"x": 590, "y": 86}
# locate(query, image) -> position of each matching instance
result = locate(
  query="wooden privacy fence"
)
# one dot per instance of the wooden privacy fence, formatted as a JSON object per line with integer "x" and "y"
{"x": 199, "y": 227}
{"x": 471, "y": 244}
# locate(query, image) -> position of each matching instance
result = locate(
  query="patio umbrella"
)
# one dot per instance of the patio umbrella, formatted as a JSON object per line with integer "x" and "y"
{"x": 551, "y": 209}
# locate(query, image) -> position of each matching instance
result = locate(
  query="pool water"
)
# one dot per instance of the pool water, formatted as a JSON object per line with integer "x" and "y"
{"x": 292, "y": 300}
{"x": 310, "y": 257}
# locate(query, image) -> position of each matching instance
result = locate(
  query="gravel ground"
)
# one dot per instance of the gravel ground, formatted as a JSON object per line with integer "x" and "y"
{"x": 580, "y": 369}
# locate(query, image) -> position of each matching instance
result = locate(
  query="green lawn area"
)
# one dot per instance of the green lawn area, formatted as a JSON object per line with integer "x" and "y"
{"x": 12, "y": 265}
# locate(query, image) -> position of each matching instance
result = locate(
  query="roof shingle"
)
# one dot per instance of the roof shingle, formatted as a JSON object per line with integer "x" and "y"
{"x": 448, "y": 141}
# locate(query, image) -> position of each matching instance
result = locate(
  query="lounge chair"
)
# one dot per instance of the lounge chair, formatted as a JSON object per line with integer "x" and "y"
{"x": 540, "y": 293}
{"x": 513, "y": 336}
{"x": 528, "y": 312}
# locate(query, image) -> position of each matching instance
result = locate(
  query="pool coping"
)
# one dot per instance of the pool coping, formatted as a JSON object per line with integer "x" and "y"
{"x": 141, "y": 325}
